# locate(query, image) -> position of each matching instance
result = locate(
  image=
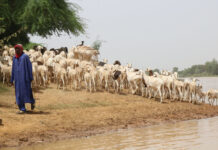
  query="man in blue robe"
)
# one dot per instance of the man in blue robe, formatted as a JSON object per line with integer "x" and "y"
{"x": 22, "y": 77}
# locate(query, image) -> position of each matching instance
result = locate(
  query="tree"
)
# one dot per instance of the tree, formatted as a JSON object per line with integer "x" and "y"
{"x": 4, "y": 15}
{"x": 38, "y": 17}
{"x": 175, "y": 69}
{"x": 156, "y": 70}
{"x": 210, "y": 68}
{"x": 97, "y": 44}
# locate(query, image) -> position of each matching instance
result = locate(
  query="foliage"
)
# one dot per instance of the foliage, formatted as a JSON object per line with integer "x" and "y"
{"x": 97, "y": 44}
{"x": 175, "y": 69}
{"x": 4, "y": 16}
{"x": 2, "y": 26}
{"x": 210, "y": 68}
{"x": 38, "y": 17}
{"x": 156, "y": 70}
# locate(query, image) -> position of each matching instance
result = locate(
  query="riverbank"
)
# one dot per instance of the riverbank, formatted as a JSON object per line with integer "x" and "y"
{"x": 71, "y": 114}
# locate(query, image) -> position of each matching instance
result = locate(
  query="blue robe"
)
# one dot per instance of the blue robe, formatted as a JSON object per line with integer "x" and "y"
{"x": 22, "y": 76}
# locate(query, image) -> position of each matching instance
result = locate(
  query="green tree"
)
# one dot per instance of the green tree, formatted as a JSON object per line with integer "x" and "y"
{"x": 210, "y": 68}
{"x": 175, "y": 69}
{"x": 156, "y": 70}
{"x": 38, "y": 17}
{"x": 4, "y": 15}
{"x": 97, "y": 44}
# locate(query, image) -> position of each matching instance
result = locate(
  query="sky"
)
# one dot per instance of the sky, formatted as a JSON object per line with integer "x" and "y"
{"x": 147, "y": 33}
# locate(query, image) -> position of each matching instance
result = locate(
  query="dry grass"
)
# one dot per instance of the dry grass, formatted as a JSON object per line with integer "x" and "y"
{"x": 65, "y": 114}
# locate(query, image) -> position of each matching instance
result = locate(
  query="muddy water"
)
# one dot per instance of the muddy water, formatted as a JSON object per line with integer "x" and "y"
{"x": 208, "y": 83}
{"x": 194, "y": 135}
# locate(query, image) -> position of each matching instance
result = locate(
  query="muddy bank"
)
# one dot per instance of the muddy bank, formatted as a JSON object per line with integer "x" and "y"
{"x": 71, "y": 114}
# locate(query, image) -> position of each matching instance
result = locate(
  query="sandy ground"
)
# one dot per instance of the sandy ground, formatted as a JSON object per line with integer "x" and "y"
{"x": 70, "y": 114}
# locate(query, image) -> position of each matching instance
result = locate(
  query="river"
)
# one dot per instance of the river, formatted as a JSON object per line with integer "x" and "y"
{"x": 194, "y": 135}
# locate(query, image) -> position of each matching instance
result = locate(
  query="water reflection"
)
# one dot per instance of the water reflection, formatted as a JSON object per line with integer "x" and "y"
{"x": 195, "y": 134}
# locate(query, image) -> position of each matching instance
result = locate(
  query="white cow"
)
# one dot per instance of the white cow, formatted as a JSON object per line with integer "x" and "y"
{"x": 134, "y": 79}
{"x": 155, "y": 84}
{"x": 212, "y": 96}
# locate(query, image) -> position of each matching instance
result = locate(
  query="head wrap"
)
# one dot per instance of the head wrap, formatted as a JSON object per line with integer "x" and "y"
{"x": 21, "y": 48}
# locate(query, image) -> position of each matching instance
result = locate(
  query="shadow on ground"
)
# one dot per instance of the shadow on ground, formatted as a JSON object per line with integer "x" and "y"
{"x": 37, "y": 112}
{"x": 38, "y": 89}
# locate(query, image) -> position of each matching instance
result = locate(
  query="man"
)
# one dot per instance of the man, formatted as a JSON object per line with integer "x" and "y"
{"x": 22, "y": 76}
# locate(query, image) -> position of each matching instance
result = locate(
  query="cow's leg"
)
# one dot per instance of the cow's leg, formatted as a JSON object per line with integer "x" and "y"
{"x": 160, "y": 93}
{"x": 117, "y": 86}
{"x": 203, "y": 99}
{"x": 142, "y": 89}
{"x": 3, "y": 79}
{"x": 79, "y": 81}
{"x": 190, "y": 97}
{"x": 156, "y": 92}
{"x": 209, "y": 100}
{"x": 76, "y": 84}
{"x": 163, "y": 92}
{"x": 86, "y": 84}
{"x": 106, "y": 85}
{"x": 101, "y": 79}
{"x": 130, "y": 87}
{"x": 175, "y": 93}
{"x": 149, "y": 93}
{"x": 136, "y": 87}
{"x": 70, "y": 81}
{"x": 114, "y": 85}
{"x": 90, "y": 85}
{"x": 121, "y": 84}
{"x": 170, "y": 93}
{"x": 43, "y": 79}
{"x": 180, "y": 94}
{"x": 94, "y": 84}
{"x": 64, "y": 83}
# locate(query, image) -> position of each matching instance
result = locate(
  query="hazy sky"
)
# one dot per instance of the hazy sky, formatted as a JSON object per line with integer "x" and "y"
{"x": 148, "y": 33}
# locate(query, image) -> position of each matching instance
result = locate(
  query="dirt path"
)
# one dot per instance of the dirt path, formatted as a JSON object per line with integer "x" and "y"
{"x": 69, "y": 114}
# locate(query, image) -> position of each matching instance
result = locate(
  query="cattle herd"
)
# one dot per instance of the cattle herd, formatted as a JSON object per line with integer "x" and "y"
{"x": 79, "y": 68}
